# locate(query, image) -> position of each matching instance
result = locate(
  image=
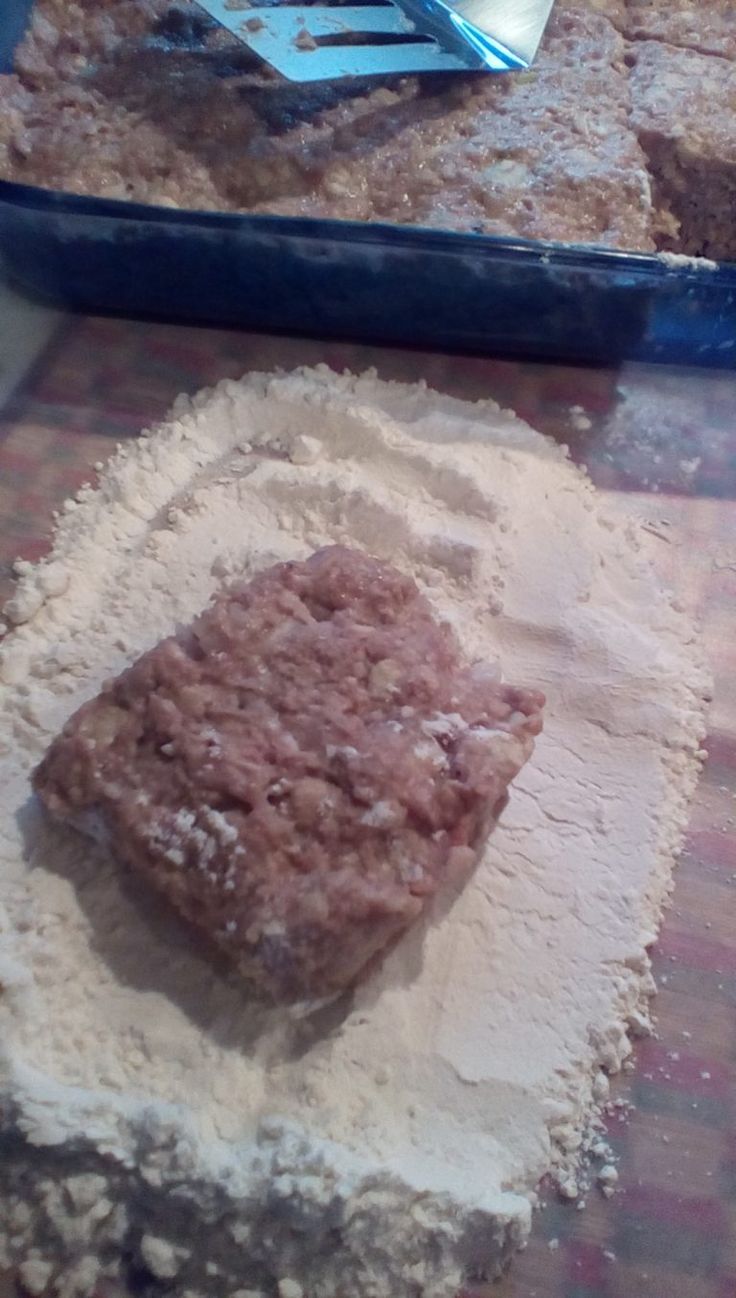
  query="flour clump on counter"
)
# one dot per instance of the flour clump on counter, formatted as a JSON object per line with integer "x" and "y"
{"x": 300, "y": 769}
{"x": 392, "y": 1142}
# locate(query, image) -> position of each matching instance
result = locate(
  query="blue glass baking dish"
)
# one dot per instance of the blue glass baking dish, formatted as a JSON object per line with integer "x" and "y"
{"x": 358, "y": 281}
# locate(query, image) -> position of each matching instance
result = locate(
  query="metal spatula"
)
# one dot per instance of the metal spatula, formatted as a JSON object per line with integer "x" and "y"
{"x": 321, "y": 42}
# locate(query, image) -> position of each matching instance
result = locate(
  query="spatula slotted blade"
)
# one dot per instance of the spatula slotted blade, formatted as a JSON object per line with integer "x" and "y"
{"x": 514, "y": 25}
{"x": 325, "y": 42}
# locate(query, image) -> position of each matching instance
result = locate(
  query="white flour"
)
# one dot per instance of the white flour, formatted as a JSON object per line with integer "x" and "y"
{"x": 393, "y": 1144}
{"x": 681, "y": 261}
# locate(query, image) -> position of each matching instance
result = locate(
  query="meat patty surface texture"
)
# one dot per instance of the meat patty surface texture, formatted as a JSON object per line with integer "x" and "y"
{"x": 301, "y": 769}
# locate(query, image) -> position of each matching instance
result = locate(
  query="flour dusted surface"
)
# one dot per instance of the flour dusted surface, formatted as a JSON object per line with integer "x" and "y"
{"x": 392, "y": 1144}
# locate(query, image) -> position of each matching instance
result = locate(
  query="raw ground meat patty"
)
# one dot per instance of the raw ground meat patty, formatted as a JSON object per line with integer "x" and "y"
{"x": 300, "y": 770}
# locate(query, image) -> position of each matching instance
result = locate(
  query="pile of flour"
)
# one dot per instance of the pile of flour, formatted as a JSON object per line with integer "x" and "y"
{"x": 156, "y": 1123}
